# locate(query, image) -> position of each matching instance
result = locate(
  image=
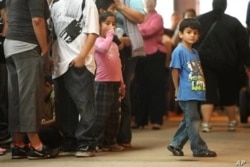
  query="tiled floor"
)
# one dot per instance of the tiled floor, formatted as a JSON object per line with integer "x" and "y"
{"x": 149, "y": 150}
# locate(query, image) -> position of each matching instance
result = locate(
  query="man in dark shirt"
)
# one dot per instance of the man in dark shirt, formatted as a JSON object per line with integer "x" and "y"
{"x": 25, "y": 48}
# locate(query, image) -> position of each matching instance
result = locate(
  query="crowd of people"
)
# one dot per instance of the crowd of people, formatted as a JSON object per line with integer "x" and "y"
{"x": 83, "y": 73}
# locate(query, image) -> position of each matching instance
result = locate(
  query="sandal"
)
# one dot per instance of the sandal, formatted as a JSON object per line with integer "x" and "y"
{"x": 126, "y": 145}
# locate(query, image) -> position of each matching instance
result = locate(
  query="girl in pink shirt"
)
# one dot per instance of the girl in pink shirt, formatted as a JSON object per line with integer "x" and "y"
{"x": 109, "y": 85}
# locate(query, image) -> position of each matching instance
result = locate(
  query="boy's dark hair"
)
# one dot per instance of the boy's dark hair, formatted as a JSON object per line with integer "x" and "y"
{"x": 103, "y": 4}
{"x": 189, "y": 22}
{"x": 103, "y": 16}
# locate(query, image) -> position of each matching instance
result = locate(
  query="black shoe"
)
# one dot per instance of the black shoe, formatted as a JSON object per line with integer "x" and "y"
{"x": 207, "y": 153}
{"x": 85, "y": 152}
{"x": 19, "y": 153}
{"x": 5, "y": 139}
{"x": 175, "y": 151}
{"x": 43, "y": 154}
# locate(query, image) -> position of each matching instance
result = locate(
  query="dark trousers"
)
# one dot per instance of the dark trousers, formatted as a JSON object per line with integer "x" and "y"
{"x": 75, "y": 107}
{"x": 50, "y": 136}
{"x": 151, "y": 89}
{"x": 125, "y": 134}
{"x": 3, "y": 101}
{"x": 107, "y": 117}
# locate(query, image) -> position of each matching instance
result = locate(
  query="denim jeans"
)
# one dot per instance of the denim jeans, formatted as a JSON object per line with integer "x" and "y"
{"x": 75, "y": 107}
{"x": 189, "y": 128}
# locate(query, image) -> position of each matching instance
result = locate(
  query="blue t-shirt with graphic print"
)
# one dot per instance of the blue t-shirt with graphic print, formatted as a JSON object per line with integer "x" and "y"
{"x": 191, "y": 78}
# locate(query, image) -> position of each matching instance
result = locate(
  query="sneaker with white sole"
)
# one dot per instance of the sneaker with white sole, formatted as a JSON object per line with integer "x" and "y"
{"x": 85, "y": 152}
{"x": 42, "y": 154}
{"x": 232, "y": 125}
{"x": 19, "y": 152}
{"x": 206, "y": 127}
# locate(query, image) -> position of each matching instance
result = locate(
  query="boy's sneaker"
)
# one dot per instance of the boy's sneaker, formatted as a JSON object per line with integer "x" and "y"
{"x": 19, "y": 152}
{"x": 85, "y": 152}
{"x": 207, "y": 153}
{"x": 175, "y": 151}
{"x": 43, "y": 154}
{"x": 114, "y": 147}
{"x": 206, "y": 127}
{"x": 232, "y": 125}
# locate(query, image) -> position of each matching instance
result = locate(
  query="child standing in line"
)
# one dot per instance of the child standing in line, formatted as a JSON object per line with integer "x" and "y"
{"x": 190, "y": 88}
{"x": 109, "y": 85}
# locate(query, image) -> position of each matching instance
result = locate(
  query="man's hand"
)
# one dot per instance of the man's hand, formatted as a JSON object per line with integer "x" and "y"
{"x": 77, "y": 62}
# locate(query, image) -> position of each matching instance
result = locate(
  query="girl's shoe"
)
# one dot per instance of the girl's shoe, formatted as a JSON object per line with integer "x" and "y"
{"x": 2, "y": 151}
{"x": 125, "y": 145}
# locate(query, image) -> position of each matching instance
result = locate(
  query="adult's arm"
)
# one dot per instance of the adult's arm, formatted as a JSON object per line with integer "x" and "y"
{"x": 5, "y": 22}
{"x": 40, "y": 29}
{"x": 132, "y": 15}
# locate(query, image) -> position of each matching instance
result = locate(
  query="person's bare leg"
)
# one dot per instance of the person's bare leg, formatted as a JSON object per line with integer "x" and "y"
{"x": 35, "y": 140}
{"x": 231, "y": 112}
{"x": 18, "y": 139}
{"x": 206, "y": 111}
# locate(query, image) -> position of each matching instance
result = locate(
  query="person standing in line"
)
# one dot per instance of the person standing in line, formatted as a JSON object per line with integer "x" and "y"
{"x": 190, "y": 90}
{"x": 152, "y": 77}
{"x": 130, "y": 13}
{"x": 25, "y": 48}
{"x": 76, "y": 28}
{"x": 109, "y": 85}
{"x": 5, "y": 137}
{"x": 224, "y": 54}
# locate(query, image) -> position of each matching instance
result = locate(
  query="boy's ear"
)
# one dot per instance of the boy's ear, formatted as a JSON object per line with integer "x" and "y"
{"x": 180, "y": 34}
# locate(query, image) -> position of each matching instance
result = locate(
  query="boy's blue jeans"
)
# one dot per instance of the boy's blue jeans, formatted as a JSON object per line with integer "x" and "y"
{"x": 189, "y": 128}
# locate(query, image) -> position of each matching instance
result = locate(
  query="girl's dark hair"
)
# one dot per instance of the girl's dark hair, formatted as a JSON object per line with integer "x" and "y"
{"x": 189, "y": 22}
{"x": 103, "y": 4}
{"x": 103, "y": 16}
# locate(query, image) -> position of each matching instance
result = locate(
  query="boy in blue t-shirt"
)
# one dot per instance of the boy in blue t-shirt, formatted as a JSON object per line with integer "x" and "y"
{"x": 190, "y": 89}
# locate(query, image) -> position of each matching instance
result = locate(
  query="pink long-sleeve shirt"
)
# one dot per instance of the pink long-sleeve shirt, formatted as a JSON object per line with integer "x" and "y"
{"x": 152, "y": 31}
{"x": 108, "y": 63}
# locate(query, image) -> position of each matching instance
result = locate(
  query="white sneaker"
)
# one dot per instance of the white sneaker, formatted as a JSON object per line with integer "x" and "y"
{"x": 232, "y": 125}
{"x": 206, "y": 127}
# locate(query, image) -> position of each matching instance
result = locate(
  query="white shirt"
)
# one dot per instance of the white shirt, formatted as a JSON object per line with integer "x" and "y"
{"x": 65, "y": 49}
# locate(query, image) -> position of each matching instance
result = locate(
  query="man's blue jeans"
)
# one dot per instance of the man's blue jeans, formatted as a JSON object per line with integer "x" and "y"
{"x": 75, "y": 107}
{"x": 189, "y": 128}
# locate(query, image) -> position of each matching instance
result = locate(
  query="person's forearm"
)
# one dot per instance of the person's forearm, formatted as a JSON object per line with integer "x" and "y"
{"x": 88, "y": 44}
{"x": 5, "y": 22}
{"x": 40, "y": 29}
{"x": 131, "y": 14}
